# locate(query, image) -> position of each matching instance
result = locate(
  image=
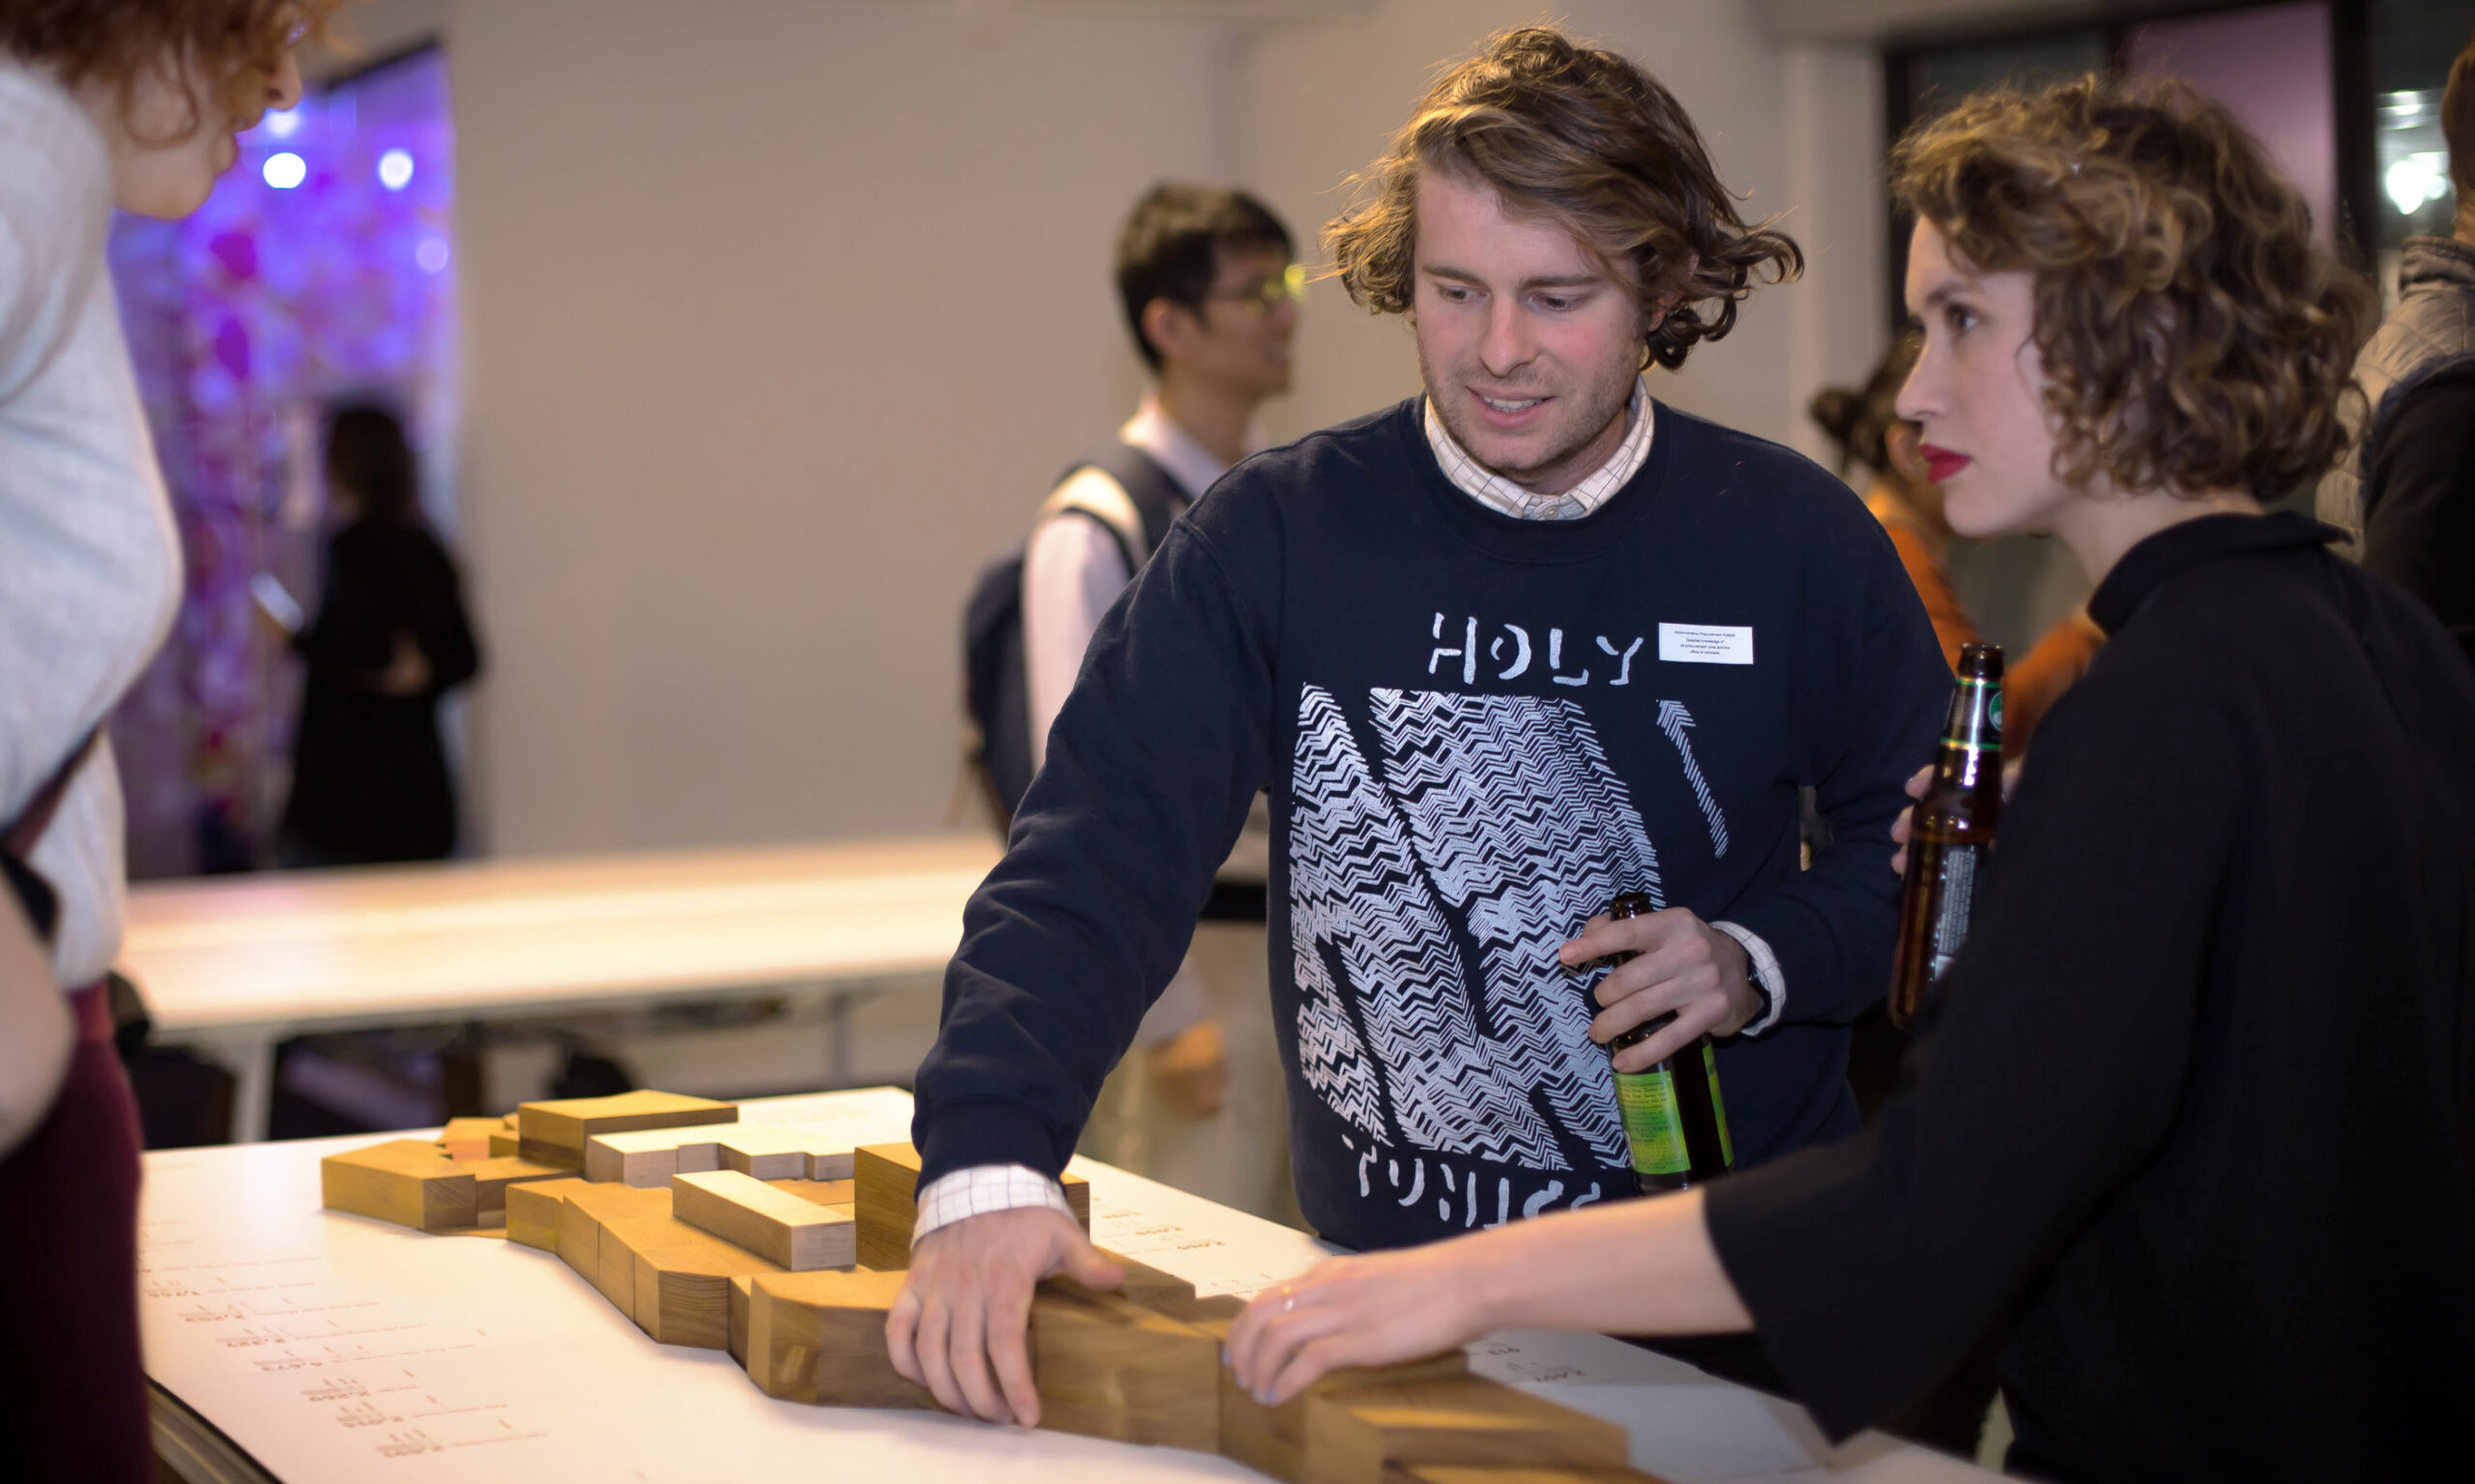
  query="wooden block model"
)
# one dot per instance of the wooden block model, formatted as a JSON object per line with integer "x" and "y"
{"x": 841, "y": 1193}
{"x": 648, "y": 1157}
{"x": 412, "y": 1182}
{"x": 1465, "y": 1473}
{"x": 820, "y": 1338}
{"x": 1273, "y": 1440}
{"x": 1167, "y": 1295}
{"x": 469, "y": 1138}
{"x": 533, "y": 1211}
{"x": 683, "y": 1279}
{"x": 743, "y": 1293}
{"x": 1108, "y": 1367}
{"x": 1356, "y": 1436}
{"x": 584, "y": 1212}
{"x": 886, "y": 1174}
{"x": 556, "y": 1132}
{"x": 792, "y": 1234}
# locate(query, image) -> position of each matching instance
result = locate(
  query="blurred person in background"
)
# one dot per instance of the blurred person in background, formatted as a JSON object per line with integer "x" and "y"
{"x": 1865, "y": 425}
{"x": 2406, "y": 491}
{"x": 370, "y": 775}
{"x": 2191, "y": 1122}
{"x": 134, "y": 105}
{"x": 1205, "y": 276}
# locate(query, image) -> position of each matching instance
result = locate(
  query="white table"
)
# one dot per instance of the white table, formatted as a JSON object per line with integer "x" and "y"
{"x": 232, "y": 965}
{"x": 327, "y": 1347}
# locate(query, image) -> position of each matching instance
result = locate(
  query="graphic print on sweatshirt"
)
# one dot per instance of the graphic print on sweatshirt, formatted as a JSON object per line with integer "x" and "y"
{"x": 1441, "y": 847}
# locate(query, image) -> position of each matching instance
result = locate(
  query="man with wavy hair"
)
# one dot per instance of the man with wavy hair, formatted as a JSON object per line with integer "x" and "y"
{"x": 1498, "y": 653}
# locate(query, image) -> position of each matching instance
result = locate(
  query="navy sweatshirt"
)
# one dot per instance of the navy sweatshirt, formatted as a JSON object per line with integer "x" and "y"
{"x": 1475, "y": 730}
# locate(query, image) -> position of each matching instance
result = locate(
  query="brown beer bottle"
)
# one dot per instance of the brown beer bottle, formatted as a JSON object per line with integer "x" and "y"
{"x": 1673, "y": 1121}
{"x": 1953, "y": 831}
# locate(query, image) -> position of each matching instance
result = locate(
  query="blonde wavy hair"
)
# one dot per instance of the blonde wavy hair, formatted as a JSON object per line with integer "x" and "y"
{"x": 1585, "y": 139}
{"x": 2194, "y": 334}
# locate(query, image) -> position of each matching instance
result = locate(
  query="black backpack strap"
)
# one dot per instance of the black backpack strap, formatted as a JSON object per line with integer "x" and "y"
{"x": 1155, "y": 494}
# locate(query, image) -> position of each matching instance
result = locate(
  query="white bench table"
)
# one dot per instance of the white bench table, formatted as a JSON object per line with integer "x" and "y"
{"x": 317, "y": 1346}
{"x": 233, "y": 965}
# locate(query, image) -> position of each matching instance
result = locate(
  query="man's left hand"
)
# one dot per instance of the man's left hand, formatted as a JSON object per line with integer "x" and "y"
{"x": 1682, "y": 964}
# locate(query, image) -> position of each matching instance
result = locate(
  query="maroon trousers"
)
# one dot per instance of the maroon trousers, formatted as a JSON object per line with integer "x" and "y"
{"x": 73, "y": 1384}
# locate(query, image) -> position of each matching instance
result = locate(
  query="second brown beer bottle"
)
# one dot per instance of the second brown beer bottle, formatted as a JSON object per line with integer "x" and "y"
{"x": 1952, "y": 833}
{"x": 1674, "y": 1121}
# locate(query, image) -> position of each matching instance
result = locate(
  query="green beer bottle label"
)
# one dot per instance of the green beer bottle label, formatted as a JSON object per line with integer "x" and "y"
{"x": 1648, "y": 1101}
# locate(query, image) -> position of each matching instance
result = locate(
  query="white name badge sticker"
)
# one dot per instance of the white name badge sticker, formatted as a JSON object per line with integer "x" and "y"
{"x": 1704, "y": 644}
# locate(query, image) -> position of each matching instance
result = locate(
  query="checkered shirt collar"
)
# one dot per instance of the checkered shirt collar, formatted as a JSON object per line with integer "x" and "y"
{"x": 1492, "y": 490}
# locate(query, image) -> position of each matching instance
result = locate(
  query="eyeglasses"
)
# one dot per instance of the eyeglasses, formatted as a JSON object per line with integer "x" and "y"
{"x": 1287, "y": 286}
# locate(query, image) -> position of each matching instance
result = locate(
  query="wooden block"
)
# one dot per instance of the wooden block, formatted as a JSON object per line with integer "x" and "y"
{"x": 742, "y": 1288}
{"x": 1355, "y": 1436}
{"x": 648, "y": 1157}
{"x": 842, "y": 1193}
{"x": 408, "y": 1181}
{"x": 1459, "y": 1474}
{"x": 1149, "y": 1286}
{"x": 533, "y": 1211}
{"x": 683, "y": 1279}
{"x": 492, "y": 1177}
{"x": 764, "y": 1152}
{"x": 1273, "y": 1440}
{"x": 886, "y": 1176}
{"x": 830, "y": 1165}
{"x": 794, "y": 1234}
{"x": 820, "y": 1337}
{"x": 556, "y": 1132}
{"x": 586, "y": 1218}
{"x": 505, "y": 1146}
{"x": 1108, "y": 1367}
{"x": 469, "y": 1138}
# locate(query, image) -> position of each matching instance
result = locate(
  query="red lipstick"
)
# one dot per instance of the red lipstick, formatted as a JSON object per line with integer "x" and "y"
{"x": 1942, "y": 463}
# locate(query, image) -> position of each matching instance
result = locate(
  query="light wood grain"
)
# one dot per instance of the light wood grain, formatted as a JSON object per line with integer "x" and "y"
{"x": 794, "y": 1234}
{"x": 556, "y": 1132}
{"x": 533, "y": 1211}
{"x": 408, "y": 1181}
{"x": 648, "y": 1157}
{"x": 820, "y": 1338}
{"x": 1108, "y": 1367}
{"x": 1355, "y": 1436}
{"x": 887, "y": 1179}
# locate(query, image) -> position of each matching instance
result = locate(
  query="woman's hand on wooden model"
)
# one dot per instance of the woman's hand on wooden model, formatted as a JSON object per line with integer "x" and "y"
{"x": 1382, "y": 1308}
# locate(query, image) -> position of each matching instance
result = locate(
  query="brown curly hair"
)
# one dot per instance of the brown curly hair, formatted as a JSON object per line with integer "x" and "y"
{"x": 232, "y": 46}
{"x": 1584, "y": 138}
{"x": 2195, "y": 336}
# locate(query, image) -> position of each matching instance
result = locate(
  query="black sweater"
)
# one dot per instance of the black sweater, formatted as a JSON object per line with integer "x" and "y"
{"x": 1472, "y": 741}
{"x": 2419, "y": 500}
{"x": 2197, "y": 1111}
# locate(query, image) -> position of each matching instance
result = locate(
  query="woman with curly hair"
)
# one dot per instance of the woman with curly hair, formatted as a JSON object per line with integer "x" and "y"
{"x": 2192, "y": 1126}
{"x": 103, "y": 103}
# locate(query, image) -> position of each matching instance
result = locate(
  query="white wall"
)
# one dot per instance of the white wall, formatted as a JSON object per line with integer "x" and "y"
{"x": 782, "y": 314}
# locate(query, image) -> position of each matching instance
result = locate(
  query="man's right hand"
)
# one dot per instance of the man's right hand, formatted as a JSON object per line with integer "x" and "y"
{"x": 958, "y": 1326}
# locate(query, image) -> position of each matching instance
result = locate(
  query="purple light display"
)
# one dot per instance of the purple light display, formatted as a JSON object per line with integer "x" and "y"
{"x": 245, "y": 321}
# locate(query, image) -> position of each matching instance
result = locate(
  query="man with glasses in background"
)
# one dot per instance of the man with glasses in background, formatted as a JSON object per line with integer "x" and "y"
{"x": 1210, "y": 292}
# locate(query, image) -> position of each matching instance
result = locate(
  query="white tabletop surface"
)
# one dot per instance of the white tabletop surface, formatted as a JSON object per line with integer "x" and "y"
{"x": 478, "y": 939}
{"x": 337, "y": 1347}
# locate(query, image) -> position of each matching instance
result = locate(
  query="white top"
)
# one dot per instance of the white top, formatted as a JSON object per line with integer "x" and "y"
{"x": 1073, "y": 573}
{"x": 90, "y": 563}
